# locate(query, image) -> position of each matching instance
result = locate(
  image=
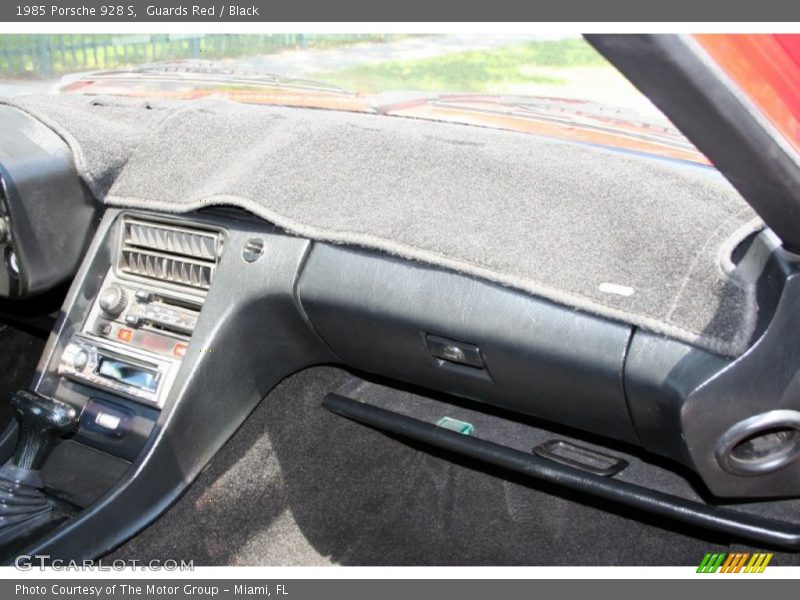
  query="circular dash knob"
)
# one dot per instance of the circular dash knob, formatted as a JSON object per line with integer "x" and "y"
{"x": 113, "y": 300}
{"x": 80, "y": 360}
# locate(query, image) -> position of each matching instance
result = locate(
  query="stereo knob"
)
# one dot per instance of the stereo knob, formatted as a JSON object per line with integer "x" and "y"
{"x": 113, "y": 300}
{"x": 76, "y": 357}
{"x": 80, "y": 359}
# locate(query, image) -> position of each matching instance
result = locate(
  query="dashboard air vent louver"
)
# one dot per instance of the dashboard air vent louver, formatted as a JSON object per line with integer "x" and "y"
{"x": 168, "y": 253}
{"x": 203, "y": 245}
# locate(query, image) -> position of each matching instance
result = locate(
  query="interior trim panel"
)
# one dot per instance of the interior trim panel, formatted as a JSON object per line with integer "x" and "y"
{"x": 231, "y": 306}
{"x": 46, "y": 213}
{"x": 368, "y": 309}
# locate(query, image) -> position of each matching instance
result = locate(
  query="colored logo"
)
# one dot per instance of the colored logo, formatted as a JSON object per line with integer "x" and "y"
{"x": 735, "y": 562}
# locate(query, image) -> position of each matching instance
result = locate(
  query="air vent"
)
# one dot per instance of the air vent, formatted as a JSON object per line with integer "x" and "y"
{"x": 173, "y": 254}
{"x": 203, "y": 245}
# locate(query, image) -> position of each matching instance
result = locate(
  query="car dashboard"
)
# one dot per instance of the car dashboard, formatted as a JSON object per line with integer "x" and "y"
{"x": 175, "y": 326}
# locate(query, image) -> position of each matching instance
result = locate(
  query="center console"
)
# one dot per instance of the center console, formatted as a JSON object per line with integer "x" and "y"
{"x": 110, "y": 371}
{"x": 173, "y": 330}
{"x": 124, "y": 340}
{"x": 142, "y": 319}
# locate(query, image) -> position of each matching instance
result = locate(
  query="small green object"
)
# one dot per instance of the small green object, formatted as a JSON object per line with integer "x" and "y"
{"x": 456, "y": 425}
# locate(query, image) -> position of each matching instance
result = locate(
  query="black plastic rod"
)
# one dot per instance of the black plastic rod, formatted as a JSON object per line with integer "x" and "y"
{"x": 752, "y": 527}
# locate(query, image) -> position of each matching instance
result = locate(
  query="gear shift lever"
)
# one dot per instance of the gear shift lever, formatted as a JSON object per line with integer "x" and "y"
{"x": 23, "y": 504}
{"x": 41, "y": 421}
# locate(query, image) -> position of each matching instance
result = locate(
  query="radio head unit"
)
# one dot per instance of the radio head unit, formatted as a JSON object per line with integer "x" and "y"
{"x": 121, "y": 370}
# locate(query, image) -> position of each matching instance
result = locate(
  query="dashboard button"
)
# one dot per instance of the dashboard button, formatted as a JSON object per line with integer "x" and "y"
{"x": 103, "y": 328}
{"x": 107, "y": 421}
{"x": 125, "y": 335}
{"x": 144, "y": 296}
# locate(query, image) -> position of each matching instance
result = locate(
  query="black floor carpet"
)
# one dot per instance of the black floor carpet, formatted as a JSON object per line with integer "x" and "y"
{"x": 298, "y": 485}
{"x": 20, "y": 351}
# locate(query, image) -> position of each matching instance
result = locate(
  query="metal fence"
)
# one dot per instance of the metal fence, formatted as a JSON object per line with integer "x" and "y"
{"x": 50, "y": 55}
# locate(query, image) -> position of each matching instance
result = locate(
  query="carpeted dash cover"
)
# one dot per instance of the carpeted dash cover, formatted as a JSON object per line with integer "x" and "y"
{"x": 637, "y": 239}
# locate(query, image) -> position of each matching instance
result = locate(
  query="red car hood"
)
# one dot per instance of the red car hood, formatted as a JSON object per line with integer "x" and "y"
{"x": 567, "y": 119}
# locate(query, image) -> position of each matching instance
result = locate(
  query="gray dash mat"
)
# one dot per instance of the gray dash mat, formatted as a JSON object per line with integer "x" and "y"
{"x": 645, "y": 241}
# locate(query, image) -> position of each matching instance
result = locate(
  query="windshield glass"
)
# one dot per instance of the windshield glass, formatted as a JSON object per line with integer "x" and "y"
{"x": 537, "y": 64}
{"x": 555, "y": 85}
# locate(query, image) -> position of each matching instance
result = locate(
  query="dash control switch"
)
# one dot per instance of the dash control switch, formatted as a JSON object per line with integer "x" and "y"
{"x": 107, "y": 419}
{"x": 454, "y": 351}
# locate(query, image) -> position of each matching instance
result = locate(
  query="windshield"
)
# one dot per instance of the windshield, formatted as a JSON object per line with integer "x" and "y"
{"x": 536, "y": 64}
{"x": 555, "y": 85}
